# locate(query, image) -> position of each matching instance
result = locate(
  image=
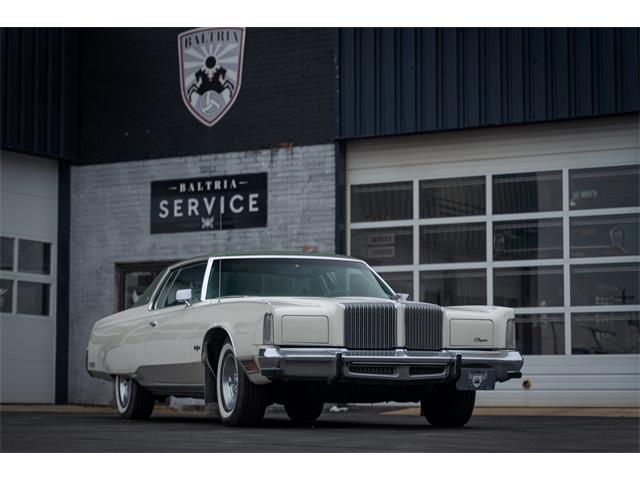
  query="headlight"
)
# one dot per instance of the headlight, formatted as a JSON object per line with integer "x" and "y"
{"x": 267, "y": 329}
{"x": 510, "y": 340}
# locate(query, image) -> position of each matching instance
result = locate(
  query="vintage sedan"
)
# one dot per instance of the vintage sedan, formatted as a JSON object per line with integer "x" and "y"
{"x": 247, "y": 331}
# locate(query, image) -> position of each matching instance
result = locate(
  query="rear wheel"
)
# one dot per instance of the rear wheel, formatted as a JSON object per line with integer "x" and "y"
{"x": 304, "y": 412}
{"x": 241, "y": 403}
{"x": 133, "y": 401}
{"x": 448, "y": 407}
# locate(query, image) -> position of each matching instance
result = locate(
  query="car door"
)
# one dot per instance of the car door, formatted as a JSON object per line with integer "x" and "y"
{"x": 172, "y": 329}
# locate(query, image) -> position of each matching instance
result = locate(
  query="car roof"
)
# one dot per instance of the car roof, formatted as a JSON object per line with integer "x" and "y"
{"x": 268, "y": 254}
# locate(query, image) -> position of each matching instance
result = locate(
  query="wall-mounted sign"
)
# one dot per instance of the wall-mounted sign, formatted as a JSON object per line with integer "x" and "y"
{"x": 209, "y": 203}
{"x": 210, "y": 70}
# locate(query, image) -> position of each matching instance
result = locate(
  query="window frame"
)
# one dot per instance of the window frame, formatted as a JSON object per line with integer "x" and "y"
{"x": 15, "y": 276}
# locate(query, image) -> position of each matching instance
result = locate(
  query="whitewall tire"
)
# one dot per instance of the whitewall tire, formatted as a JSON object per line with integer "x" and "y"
{"x": 132, "y": 401}
{"x": 241, "y": 403}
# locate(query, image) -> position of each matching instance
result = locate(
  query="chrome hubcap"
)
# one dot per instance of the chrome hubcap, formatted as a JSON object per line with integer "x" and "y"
{"x": 124, "y": 389}
{"x": 229, "y": 382}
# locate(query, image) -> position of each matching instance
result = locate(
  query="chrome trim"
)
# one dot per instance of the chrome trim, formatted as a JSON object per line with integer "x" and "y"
{"x": 423, "y": 324}
{"x": 205, "y": 281}
{"x": 332, "y": 363}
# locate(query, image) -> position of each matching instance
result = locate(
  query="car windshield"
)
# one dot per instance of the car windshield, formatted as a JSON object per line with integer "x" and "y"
{"x": 296, "y": 277}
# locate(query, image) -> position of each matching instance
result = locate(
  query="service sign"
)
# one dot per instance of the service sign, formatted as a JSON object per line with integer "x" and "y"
{"x": 209, "y": 203}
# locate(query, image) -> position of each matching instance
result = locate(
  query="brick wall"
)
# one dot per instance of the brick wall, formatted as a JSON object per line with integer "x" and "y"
{"x": 110, "y": 224}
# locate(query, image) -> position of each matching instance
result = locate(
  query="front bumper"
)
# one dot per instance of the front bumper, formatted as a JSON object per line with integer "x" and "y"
{"x": 399, "y": 365}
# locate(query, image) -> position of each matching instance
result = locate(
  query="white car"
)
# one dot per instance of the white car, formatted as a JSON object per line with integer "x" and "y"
{"x": 246, "y": 331}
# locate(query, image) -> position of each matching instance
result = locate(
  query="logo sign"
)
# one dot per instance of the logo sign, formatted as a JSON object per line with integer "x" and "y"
{"x": 477, "y": 379}
{"x": 210, "y": 70}
{"x": 209, "y": 203}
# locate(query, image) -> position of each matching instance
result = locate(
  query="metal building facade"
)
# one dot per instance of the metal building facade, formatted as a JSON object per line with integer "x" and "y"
{"x": 409, "y": 80}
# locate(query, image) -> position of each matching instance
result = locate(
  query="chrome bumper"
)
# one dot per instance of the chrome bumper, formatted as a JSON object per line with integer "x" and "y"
{"x": 399, "y": 365}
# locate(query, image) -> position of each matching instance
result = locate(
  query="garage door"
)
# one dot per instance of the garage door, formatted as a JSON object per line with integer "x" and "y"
{"x": 542, "y": 218}
{"x": 28, "y": 231}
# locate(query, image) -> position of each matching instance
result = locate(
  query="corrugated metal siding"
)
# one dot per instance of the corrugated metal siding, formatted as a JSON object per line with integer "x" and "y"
{"x": 405, "y": 80}
{"x": 38, "y": 91}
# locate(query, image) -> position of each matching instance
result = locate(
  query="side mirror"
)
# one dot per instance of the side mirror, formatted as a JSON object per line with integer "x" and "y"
{"x": 402, "y": 297}
{"x": 184, "y": 295}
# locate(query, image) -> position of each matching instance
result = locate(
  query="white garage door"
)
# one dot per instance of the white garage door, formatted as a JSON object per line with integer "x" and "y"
{"x": 543, "y": 218}
{"x": 28, "y": 232}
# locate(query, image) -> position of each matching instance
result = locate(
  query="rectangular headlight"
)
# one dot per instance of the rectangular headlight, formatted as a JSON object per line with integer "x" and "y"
{"x": 267, "y": 329}
{"x": 510, "y": 340}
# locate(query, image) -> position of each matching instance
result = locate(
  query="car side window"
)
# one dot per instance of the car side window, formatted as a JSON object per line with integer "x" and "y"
{"x": 190, "y": 276}
{"x": 213, "y": 288}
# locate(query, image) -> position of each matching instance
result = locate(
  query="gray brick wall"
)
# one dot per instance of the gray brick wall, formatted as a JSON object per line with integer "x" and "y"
{"x": 110, "y": 220}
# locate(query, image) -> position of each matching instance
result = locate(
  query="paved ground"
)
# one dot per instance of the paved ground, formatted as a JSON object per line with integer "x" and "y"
{"x": 100, "y": 430}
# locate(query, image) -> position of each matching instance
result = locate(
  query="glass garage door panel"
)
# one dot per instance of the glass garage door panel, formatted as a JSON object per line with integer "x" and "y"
{"x": 540, "y": 334}
{"x": 400, "y": 282}
{"x": 34, "y": 257}
{"x": 452, "y": 197}
{"x": 605, "y": 236}
{"x": 6, "y": 253}
{"x": 527, "y": 239}
{"x": 608, "y": 187}
{"x": 383, "y": 246}
{"x": 33, "y": 298}
{"x": 454, "y": 287}
{"x": 611, "y": 332}
{"x": 527, "y": 192}
{"x": 528, "y": 287}
{"x": 605, "y": 284}
{"x": 381, "y": 201}
{"x": 453, "y": 243}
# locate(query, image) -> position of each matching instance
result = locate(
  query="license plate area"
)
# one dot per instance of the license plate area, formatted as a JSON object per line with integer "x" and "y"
{"x": 477, "y": 379}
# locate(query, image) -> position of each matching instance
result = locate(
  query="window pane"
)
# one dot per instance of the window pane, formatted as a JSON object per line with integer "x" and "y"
{"x": 612, "y": 284}
{"x": 528, "y": 287}
{"x": 541, "y": 334}
{"x": 605, "y": 236}
{"x": 139, "y": 285}
{"x": 527, "y": 192}
{"x": 34, "y": 257}
{"x": 454, "y": 287}
{"x": 383, "y": 246}
{"x": 381, "y": 201}
{"x": 188, "y": 277}
{"x": 605, "y": 333}
{"x": 527, "y": 239}
{"x": 604, "y": 187}
{"x": 166, "y": 289}
{"x": 452, "y": 197}
{"x": 400, "y": 282}
{"x": 33, "y": 298}
{"x": 6, "y": 296}
{"x": 453, "y": 243}
{"x": 6, "y": 253}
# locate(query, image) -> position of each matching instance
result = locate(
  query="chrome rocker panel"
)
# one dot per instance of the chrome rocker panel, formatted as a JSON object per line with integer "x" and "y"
{"x": 399, "y": 365}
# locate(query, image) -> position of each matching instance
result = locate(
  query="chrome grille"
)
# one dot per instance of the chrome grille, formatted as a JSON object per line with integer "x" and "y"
{"x": 370, "y": 325}
{"x": 373, "y": 370}
{"x": 423, "y": 326}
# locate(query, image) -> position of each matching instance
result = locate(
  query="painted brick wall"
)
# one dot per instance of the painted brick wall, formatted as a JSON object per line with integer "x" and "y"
{"x": 110, "y": 224}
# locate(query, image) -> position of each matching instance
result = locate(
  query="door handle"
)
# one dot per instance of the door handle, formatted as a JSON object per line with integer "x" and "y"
{"x": 153, "y": 323}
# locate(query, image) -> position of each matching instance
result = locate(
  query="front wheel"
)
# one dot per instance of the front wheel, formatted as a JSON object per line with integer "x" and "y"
{"x": 133, "y": 401}
{"x": 241, "y": 403}
{"x": 448, "y": 407}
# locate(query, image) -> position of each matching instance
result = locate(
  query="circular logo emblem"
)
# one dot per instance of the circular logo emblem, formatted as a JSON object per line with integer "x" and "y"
{"x": 210, "y": 103}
